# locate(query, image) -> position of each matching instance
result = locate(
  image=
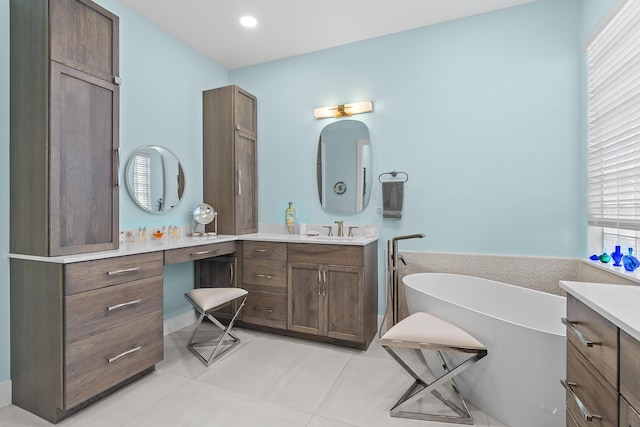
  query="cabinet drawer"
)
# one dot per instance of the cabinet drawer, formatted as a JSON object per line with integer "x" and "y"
{"x": 192, "y": 253}
{"x": 592, "y": 389}
{"x": 629, "y": 417}
{"x": 266, "y": 308}
{"x": 602, "y": 333}
{"x": 326, "y": 254}
{"x": 263, "y": 275}
{"x": 630, "y": 369}
{"x": 89, "y": 275}
{"x": 96, "y": 362}
{"x": 265, "y": 250}
{"x": 89, "y": 312}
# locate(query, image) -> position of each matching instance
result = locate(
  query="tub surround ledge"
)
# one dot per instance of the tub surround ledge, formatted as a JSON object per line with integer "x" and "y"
{"x": 616, "y": 303}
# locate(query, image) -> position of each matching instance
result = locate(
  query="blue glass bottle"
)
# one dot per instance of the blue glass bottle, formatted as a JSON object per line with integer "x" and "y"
{"x": 617, "y": 257}
{"x": 630, "y": 262}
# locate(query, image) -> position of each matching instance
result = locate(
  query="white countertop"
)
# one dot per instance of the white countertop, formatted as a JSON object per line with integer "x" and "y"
{"x": 620, "y": 304}
{"x": 167, "y": 243}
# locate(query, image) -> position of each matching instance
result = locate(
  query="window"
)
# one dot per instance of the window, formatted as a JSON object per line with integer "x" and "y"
{"x": 142, "y": 179}
{"x": 614, "y": 129}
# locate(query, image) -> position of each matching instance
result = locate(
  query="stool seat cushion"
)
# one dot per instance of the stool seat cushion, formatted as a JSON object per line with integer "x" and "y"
{"x": 208, "y": 298}
{"x": 423, "y": 330}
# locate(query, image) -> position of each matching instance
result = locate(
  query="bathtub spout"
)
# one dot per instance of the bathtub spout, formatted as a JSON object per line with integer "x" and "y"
{"x": 392, "y": 266}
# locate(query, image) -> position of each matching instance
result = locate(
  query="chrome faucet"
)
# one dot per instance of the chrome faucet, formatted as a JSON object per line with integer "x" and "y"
{"x": 340, "y": 231}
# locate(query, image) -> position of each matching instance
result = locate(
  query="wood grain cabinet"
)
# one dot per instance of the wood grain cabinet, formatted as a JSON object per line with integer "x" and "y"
{"x": 64, "y": 119}
{"x": 592, "y": 367}
{"x": 629, "y": 381}
{"x": 264, "y": 275}
{"x": 229, "y": 155}
{"x": 80, "y": 330}
{"x": 332, "y": 292}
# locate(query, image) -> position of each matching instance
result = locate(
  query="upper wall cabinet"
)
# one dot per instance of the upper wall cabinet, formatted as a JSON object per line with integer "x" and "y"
{"x": 229, "y": 155}
{"x": 64, "y": 127}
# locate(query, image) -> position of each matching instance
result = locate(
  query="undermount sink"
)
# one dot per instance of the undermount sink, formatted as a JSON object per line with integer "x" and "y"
{"x": 335, "y": 238}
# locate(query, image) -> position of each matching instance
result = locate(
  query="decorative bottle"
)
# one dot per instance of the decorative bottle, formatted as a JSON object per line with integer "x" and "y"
{"x": 290, "y": 216}
{"x": 617, "y": 257}
{"x": 630, "y": 262}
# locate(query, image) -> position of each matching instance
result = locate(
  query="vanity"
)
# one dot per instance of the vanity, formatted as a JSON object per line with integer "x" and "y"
{"x": 87, "y": 324}
{"x": 603, "y": 355}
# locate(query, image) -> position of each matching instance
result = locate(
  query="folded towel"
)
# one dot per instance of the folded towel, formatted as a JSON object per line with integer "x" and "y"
{"x": 392, "y": 197}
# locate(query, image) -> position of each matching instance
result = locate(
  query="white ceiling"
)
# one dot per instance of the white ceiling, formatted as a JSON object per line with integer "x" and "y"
{"x": 293, "y": 27}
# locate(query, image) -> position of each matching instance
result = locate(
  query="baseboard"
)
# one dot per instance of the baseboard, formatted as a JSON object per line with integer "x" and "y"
{"x": 5, "y": 393}
{"x": 178, "y": 322}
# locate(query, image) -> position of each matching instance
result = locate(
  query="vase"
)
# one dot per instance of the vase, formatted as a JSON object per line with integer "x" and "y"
{"x": 630, "y": 262}
{"x": 617, "y": 257}
{"x": 290, "y": 217}
{"x": 605, "y": 258}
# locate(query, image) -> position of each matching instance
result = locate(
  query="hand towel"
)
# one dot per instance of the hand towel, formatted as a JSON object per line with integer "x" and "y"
{"x": 392, "y": 197}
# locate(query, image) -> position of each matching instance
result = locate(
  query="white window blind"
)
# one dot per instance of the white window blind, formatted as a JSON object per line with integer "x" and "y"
{"x": 614, "y": 122}
{"x": 142, "y": 179}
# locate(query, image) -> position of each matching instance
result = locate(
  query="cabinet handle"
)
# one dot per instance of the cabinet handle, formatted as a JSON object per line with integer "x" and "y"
{"x": 267, "y": 310}
{"x": 319, "y": 282}
{"x": 239, "y": 182}
{"x": 123, "y": 271}
{"x": 232, "y": 274}
{"x": 117, "y": 153}
{"x": 204, "y": 252}
{"x": 581, "y": 337}
{"x": 586, "y": 414}
{"x": 263, "y": 251}
{"x": 133, "y": 350}
{"x": 262, "y": 276}
{"x": 124, "y": 304}
{"x": 117, "y": 80}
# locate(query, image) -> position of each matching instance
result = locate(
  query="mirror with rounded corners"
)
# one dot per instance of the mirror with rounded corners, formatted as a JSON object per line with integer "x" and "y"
{"x": 344, "y": 167}
{"x": 155, "y": 179}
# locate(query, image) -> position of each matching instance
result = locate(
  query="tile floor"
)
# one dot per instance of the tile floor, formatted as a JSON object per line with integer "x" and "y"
{"x": 266, "y": 381}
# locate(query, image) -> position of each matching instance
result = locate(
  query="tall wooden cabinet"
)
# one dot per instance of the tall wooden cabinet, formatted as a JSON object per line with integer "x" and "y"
{"x": 229, "y": 155}
{"x": 64, "y": 127}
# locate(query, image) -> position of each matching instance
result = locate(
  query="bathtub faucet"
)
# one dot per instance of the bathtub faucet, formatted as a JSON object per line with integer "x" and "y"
{"x": 392, "y": 266}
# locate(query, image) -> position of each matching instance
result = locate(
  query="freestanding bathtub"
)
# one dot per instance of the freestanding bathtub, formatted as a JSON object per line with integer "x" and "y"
{"x": 518, "y": 383}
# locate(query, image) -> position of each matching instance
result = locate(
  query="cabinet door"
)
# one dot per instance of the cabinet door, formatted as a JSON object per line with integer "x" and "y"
{"x": 344, "y": 303}
{"x": 246, "y": 211}
{"x": 245, "y": 111}
{"x": 85, "y": 37}
{"x": 303, "y": 286}
{"x": 83, "y": 211}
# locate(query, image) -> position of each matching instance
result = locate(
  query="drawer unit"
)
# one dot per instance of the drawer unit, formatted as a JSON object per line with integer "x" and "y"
{"x": 326, "y": 254}
{"x": 264, "y": 275}
{"x": 265, "y": 250}
{"x": 629, "y": 417}
{"x": 595, "y": 337}
{"x": 266, "y": 308}
{"x": 193, "y": 253}
{"x": 89, "y": 275}
{"x": 91, "y": 311}
{"x": 99, "y": 361}
{"x": 588, "y": 392}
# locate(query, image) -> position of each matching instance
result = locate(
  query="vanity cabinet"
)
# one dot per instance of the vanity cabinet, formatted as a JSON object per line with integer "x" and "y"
{"x": 332, "y": 292}
{"x": 82, "y": 329}
{"x": 592, "y": 367}
{"x": 629, "y": 381}
{"x": 64, "y": 120}
{"x": 229, "y": 155}
{"x": 264, "y": 276}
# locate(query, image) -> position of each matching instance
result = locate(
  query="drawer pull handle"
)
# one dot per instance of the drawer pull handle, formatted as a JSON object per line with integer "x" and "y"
{"x": 204, "y": 252}
{"x": 263, "y": 251}
{"x": 586, "y": 414}
{"x": 268, "y": 310}
{"x": 262, "y": 276}
{"x": 123, "y": 271}
{"x": 133, "y": 350}
{"x": 124, "y": 304}
{"x": 581, "y": 337}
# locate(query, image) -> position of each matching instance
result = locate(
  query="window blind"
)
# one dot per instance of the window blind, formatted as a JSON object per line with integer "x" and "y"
{"x": 142, "y": 179}
{"x": 614, "y": 122}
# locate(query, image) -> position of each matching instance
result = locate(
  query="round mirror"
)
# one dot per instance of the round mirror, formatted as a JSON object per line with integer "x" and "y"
{"x": 344, "y": 167}
{"x": 155, "y": 179}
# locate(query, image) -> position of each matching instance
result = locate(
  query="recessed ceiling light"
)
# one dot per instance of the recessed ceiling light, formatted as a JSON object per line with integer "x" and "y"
{"x": 248, "y": 21}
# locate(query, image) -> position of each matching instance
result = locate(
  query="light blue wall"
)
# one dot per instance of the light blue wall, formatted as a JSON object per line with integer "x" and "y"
{"x": 161, "y": 103}
{"x": 482, "y": 113}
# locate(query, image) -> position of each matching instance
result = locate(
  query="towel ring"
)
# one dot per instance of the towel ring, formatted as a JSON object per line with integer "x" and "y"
{"x": 394, "y": 174}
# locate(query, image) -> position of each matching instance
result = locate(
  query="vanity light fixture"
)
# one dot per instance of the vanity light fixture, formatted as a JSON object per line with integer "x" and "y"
{"x": 343, "y": 110}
